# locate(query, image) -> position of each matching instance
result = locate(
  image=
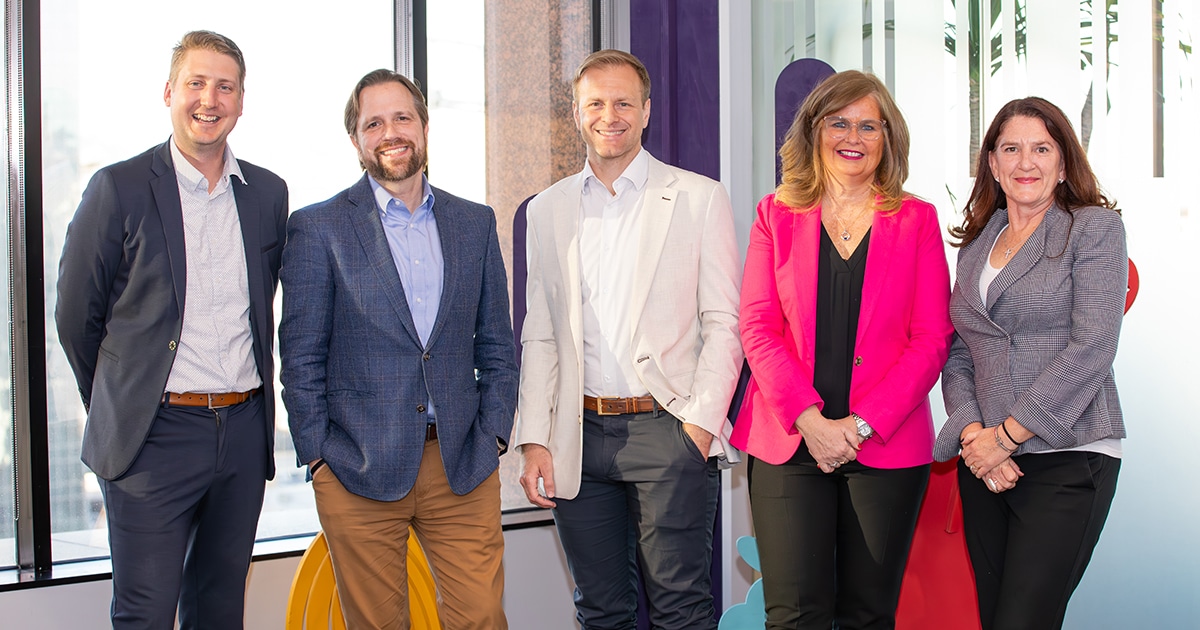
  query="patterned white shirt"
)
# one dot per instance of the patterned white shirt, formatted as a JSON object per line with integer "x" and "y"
{"x": 216, "y": 348}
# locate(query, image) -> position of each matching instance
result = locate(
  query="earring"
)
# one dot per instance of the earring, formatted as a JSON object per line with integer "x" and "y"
{"x": 1060, "y": 181}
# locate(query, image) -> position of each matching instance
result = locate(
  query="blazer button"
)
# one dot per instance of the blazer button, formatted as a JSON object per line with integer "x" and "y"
{"x": 421, "y": 408}
{"x": 171, "y": 345}
{"x": 427, "y": 357}
{"x": 857, "y": 360}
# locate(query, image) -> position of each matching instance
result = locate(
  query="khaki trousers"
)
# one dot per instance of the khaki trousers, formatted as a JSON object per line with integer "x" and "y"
{"x": 461, "y": 537}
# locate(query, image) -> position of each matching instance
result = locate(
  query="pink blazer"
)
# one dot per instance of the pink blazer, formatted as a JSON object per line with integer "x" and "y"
{"x": 903, "y": 334}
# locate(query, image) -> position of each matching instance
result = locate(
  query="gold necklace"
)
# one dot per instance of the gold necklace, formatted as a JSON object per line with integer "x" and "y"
{"x": 845, "y": 235}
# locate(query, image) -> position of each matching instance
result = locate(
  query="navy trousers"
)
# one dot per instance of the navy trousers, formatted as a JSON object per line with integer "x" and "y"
{"x": 648, "y": 497}
{"x": 182, "y": 520}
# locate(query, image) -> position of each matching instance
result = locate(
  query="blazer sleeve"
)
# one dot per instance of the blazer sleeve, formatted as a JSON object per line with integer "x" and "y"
{"x": 786, "y": 382}
{"x": 720, "y": 357}
{"x": 909, "y": 380}
{"x": 304, "y": 332}
{"x": 495, "y": 356}
{"x": 958, "y": 394}
{"x": 1099, "y": 280}
{"x": 91, "y": 259}
{"x": 538, "y": 394}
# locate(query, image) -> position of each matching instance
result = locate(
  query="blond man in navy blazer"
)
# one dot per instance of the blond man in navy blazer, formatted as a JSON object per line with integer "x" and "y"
{"x": 399, "y": 371}
{"x": 165, "y": 311}
{"x": 630, "y": 358}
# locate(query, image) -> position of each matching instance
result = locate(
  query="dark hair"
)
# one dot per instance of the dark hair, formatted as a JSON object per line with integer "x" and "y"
{"x": 607, "y": 59}
{"x": 207, "y": 40}
{"x": 805, "y": 174}
{"x": 376, "y": 77}
{"x": 1078, "y": 189}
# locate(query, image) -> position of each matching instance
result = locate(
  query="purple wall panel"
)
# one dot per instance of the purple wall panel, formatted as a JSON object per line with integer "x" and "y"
{"x": 677, "y": 40}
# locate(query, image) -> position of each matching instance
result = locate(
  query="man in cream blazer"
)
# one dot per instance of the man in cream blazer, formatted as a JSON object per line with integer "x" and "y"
{"x": 630, "y": 358}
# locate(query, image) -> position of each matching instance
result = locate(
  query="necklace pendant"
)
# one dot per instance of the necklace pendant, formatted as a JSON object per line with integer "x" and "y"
{"x": 1007, "y": 253}
{"x": 845, "y": 235}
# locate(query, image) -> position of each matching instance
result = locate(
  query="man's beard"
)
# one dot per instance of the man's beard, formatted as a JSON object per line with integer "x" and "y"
{"x": 415, "y": 164}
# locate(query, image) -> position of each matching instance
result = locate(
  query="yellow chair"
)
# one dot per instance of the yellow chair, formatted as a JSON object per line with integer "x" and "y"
{"x": 313, "y": 601}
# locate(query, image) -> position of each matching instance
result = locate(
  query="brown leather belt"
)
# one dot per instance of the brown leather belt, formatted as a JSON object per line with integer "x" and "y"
{"x": 430, "y": 432}
{"x": 211, "y": 401}
{"x": 610, "y": 406}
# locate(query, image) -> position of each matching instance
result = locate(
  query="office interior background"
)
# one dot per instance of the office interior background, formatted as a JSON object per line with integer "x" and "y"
{"x": 84, "y": 87}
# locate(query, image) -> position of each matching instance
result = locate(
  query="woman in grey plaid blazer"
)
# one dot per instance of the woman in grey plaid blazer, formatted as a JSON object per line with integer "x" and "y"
{"x": 1037, "y": 308}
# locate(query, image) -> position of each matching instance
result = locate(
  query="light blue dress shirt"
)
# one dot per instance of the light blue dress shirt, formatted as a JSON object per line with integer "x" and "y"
{"x": 417, "y": 252}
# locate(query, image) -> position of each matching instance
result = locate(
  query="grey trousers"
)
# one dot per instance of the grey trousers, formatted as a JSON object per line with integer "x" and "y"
{"x": 648, "y": 499}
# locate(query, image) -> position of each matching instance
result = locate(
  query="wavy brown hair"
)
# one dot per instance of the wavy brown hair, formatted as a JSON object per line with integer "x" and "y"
{"x": 805, "y": 174}
{"x": 1079, "y": 188}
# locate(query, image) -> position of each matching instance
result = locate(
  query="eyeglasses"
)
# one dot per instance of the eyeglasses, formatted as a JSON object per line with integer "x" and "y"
{"x": 837, "y": 128}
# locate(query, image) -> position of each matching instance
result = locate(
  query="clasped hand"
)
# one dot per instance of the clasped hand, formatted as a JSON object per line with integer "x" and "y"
{"x": 987, "y": 461}
{"x": 831, "y": 442}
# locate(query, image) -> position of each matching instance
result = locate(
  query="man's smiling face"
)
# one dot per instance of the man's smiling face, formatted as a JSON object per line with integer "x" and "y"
{"x": 205, "y": 98}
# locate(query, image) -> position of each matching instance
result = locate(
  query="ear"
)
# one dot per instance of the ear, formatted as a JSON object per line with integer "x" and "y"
{"x": 992, "y": 163}
{"x": 354, "y": 141}
{"x": 575, "y": 112}
{"x": 646, "y": 115}
{"x": 167, "y": 94}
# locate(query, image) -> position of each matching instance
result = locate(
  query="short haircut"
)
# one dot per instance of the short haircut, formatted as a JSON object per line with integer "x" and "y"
{"x": 207, "y": 40}
{"x": 805, "y": 175}
{"x": 376, "y": 77}
{"x": 607, "y": 59}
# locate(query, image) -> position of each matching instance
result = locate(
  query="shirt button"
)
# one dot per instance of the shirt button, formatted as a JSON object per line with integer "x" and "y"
{"x": 421, "y": 408}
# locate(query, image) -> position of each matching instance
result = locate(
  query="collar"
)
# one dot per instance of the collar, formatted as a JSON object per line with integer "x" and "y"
{"x": 192, "y": 178}
{"x": 636, "y": 173}
{"x": 383, "y": 197}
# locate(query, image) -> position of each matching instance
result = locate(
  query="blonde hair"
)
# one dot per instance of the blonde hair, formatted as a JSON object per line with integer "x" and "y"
{"x": 805, "y": 176}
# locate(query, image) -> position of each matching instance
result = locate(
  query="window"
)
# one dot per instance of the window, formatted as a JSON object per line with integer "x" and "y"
{"x": 104, "y": 66}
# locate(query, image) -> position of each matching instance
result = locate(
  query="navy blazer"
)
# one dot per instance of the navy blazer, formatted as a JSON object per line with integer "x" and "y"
{"x": 121, "y": 288}
{"x": 1041, "y": 347}
{"x": 355, "y": 375}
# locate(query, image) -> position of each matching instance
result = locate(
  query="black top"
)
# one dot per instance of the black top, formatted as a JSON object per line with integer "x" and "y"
{"x": 839, "y": 299}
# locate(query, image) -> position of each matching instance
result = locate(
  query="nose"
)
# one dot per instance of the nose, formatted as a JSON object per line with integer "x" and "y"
{"x": 208, "y": 96}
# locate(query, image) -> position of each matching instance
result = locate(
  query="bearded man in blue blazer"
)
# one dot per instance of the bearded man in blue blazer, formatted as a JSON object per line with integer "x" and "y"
{"x": 165, "y": 298}
{"x": 399, "y": 371}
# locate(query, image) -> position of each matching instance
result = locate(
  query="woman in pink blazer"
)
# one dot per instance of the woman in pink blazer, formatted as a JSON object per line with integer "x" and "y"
{"x": 845, "y": 325}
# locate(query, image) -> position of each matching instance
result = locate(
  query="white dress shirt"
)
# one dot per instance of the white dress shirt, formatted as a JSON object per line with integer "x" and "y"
{"x": 610, "y": 233}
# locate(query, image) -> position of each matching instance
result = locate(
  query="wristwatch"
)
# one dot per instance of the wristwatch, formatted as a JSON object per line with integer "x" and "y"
{"x": 864, "y": 430}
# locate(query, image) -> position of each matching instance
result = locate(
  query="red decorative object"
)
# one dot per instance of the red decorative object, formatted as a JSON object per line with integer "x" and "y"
{"x": 1131, "y": 293}
{"x": 939, "y": 586}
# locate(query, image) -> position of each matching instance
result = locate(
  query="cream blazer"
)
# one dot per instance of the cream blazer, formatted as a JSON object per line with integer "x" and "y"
{"x": 686, "y": 348}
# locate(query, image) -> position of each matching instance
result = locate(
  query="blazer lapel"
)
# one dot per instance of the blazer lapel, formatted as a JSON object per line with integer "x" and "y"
{"x": 974, "y": 257}
{"x": 250, "y": 212}
{"x": 880, "y": 248}
{"x": 658, "y": 207}
{"x": 364, "y": 216}
{"x": 165, "y": 188}
{"x": 805, "y": 261}
{"x": 1024, "y": 260}
{"x": 565, "y": 215}
{"x": 449, "y": 236}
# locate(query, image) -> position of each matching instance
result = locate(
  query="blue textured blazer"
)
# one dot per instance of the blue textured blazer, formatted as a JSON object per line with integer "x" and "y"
{"x": 121, "y": 288}
{"x": 355, "y": 376}
{"x": 1040, "y": 347}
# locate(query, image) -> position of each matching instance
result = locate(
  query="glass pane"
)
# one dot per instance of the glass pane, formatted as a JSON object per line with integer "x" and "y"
{"x": 8, "y": 548}
{"x": 104, "y": 67}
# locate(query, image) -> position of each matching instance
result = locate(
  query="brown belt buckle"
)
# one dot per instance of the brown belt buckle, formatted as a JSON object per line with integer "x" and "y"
{"x": 602, "y": 401}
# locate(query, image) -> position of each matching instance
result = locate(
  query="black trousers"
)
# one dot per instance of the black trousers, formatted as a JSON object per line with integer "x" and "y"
{"x": 833, "y": 547}
{"x": 181, "y": 521}
{"x": 648, "y": 497}
{"x": 1029, "y": 546}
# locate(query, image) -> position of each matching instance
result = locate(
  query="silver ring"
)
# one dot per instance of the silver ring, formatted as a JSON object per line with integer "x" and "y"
{"x": 973, "y": 468}
{"x": 992, "y": 483}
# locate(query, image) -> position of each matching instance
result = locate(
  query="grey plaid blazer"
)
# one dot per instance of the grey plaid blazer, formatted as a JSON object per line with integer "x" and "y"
{"x": 1041, "y": 350}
